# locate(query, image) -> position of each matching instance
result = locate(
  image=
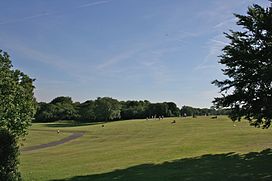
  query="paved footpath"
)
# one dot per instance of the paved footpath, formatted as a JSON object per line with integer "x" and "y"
{"x": 54, "y": 143}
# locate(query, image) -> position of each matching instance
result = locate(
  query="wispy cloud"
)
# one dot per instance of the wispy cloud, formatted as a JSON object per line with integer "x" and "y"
{"x": 219, "y": 42}
{"x": 220, "y": 14}
{"x": 26, "y": 18}
{"x": 93, "y": 4}
{"x": 31, "y": 53}
{"x": 218, "y": 18}
{"x": 225, "y": 23}
{"x": 146, "y": 58}
{"x": 180, "y": 36}
{"x": 50, "y": 13}
{"x": 153, "y": 62}
{"x": 123, "y": 56}
{"x": 214, "y": 47}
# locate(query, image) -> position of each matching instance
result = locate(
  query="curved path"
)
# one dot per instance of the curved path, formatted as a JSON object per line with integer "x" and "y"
{"x": 54, "y": 143}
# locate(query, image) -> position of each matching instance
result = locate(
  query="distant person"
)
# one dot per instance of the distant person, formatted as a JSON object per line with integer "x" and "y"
{"x": 58, "y": 131}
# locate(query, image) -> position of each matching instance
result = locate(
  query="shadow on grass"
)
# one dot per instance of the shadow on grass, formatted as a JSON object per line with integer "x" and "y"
{"x": 229, "y": 166}
{"x": 71, "y": 124}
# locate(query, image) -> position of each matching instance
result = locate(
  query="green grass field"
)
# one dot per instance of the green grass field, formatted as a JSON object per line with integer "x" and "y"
{"x": 191, "y": 149}
{"x": 36, "y": 137}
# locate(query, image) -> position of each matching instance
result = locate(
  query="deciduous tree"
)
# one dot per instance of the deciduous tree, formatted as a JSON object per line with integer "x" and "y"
{"x": 248, "y": 65}
{"x": 17, "y": 108}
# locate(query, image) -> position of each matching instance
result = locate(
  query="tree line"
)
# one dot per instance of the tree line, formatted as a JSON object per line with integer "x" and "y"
{"x": 109, "y": 109}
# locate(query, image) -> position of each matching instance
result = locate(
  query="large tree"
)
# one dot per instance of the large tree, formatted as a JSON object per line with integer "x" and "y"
{"x": 247, "y": 61}
{"x": 60, "y": 108}
{"x": 134, "y": 109}
{"x": 17, "y": 108}
{"x": 86, "y": 111}
{"x": 107, "y": 109}
{"x": 173, "y": 110}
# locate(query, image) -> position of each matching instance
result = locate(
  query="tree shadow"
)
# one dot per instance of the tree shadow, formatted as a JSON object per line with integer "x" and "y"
{"x": 228, "y": 166}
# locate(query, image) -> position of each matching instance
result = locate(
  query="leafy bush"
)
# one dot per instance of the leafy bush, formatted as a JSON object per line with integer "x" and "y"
{"x": 9, "y": 152}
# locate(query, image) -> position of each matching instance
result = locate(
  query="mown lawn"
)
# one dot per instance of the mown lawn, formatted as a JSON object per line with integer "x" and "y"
{"x": 191, "y": 149}
{"x": 36, "y": 137}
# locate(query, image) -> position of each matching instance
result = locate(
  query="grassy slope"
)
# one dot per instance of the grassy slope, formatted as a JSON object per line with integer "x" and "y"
{"x": 36, "y": 137}
{"x": 130, "y": 144}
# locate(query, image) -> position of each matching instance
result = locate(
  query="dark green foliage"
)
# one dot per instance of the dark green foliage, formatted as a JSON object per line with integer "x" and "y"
{"x": 191, "y": 111}
{"x": 17, "y": 109}
{"x": 64, "y": 108}
{"x": 248, "y": 64}
{"x": 60, "y": 108}
{"x": 173, "y": 110}
{"x": 65, "y": 111}
{"x": 9, "y": 152}
{"x": 158, "y": 109}
{"x": 166, "y": 109}
{"x": 62, "y": 100}
{"x": 107, "y": 109}
{"x": 86, "y": 111}
{"x": 17, "y": 102}
{"x": 45, "y": 112}
{"x": 134, "y": 109}
{"x": 187, "y": 111}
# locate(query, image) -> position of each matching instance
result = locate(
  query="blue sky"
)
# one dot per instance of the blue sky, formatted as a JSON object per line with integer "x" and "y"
{"x": 158, "y": 50}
